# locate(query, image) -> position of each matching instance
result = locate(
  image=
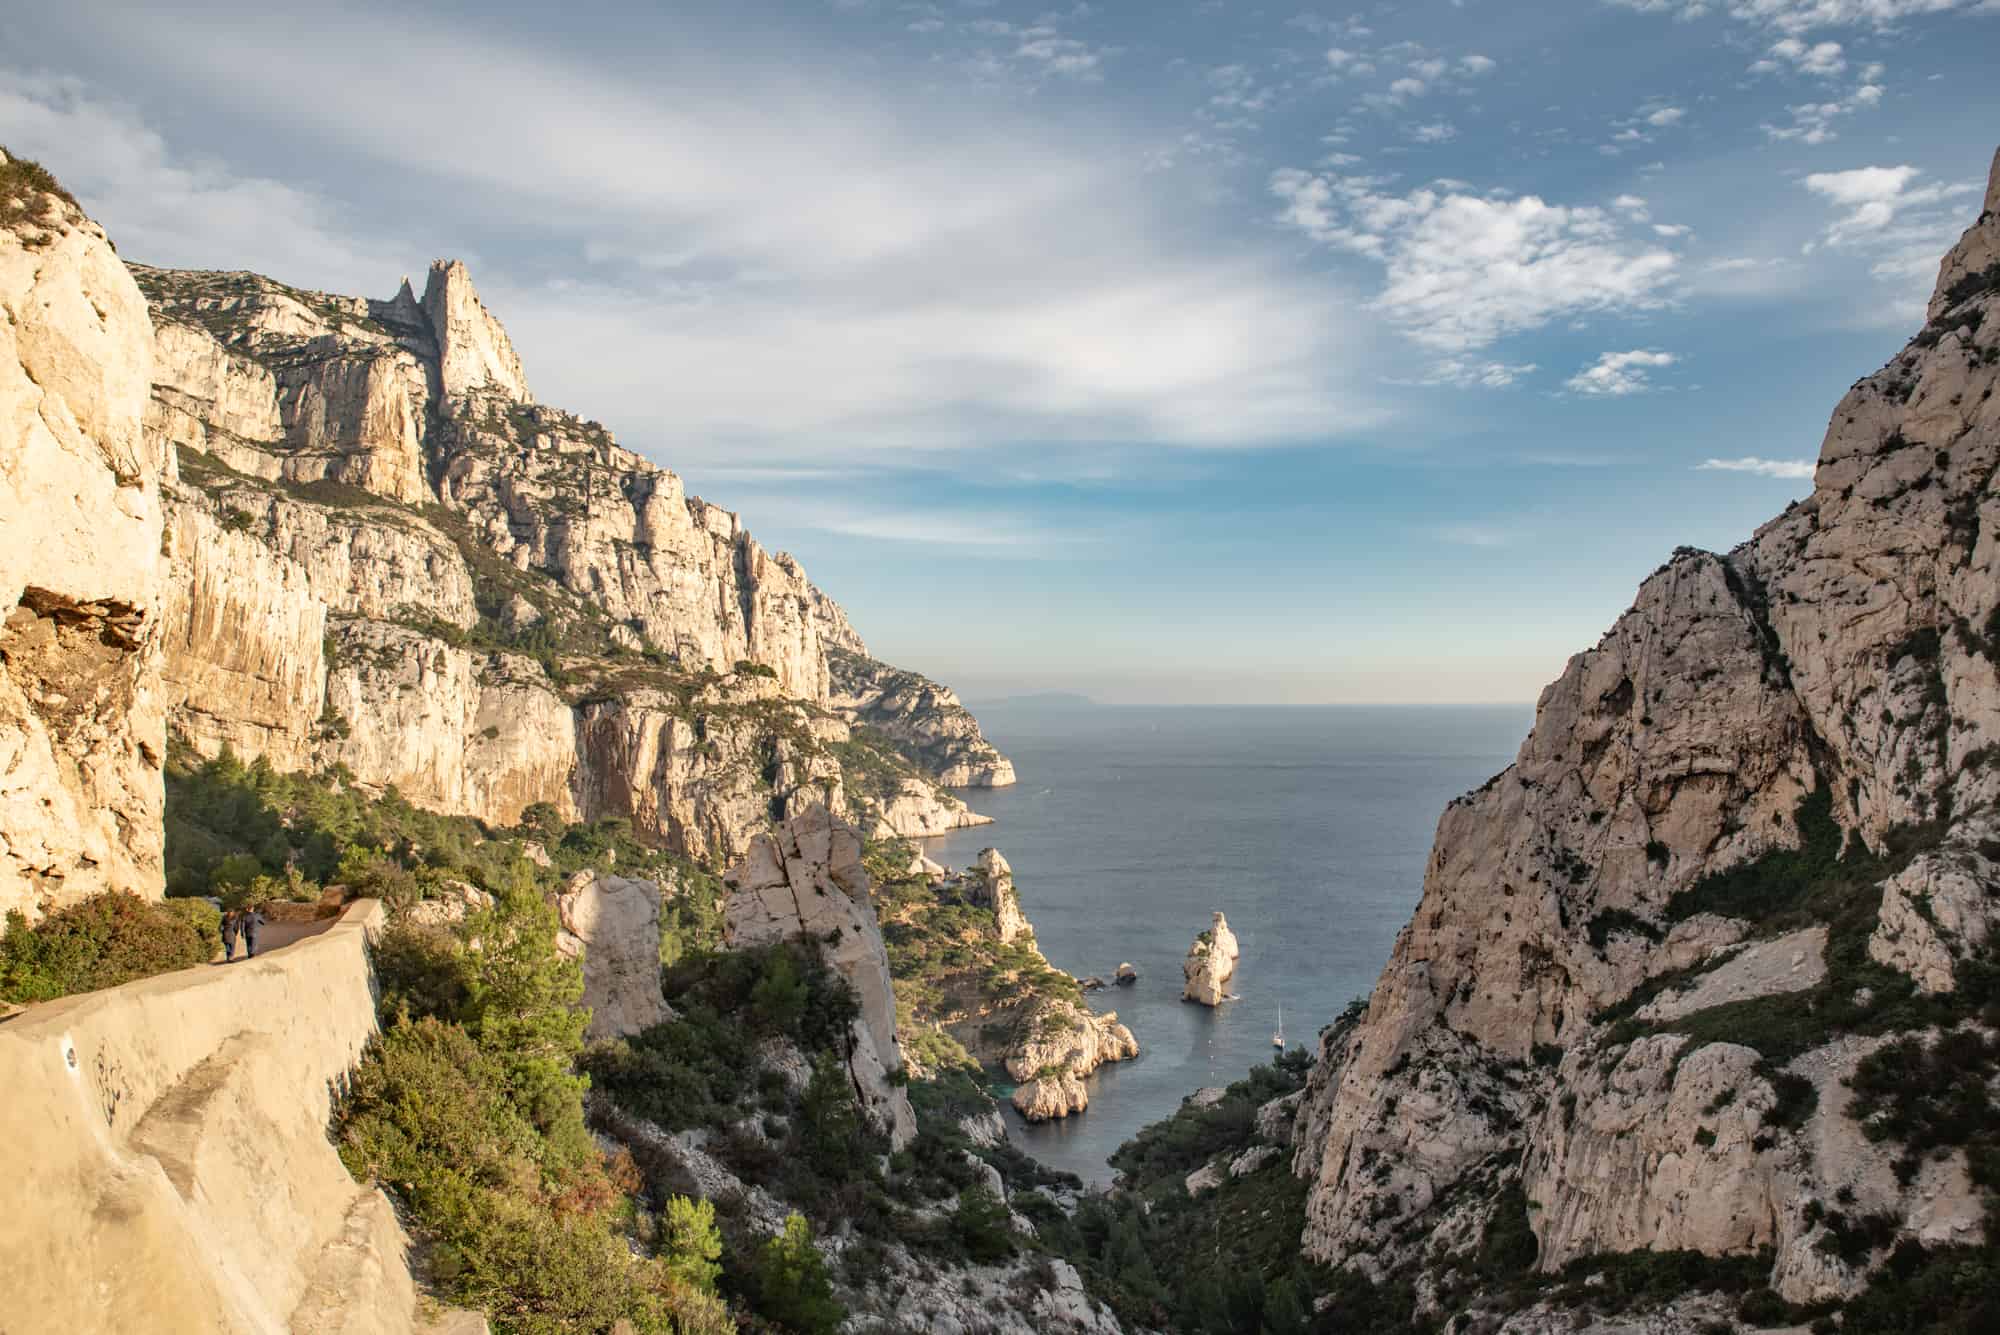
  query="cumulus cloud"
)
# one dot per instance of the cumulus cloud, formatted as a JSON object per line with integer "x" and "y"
{"x": 1787, "y": 468}
{"x": 1893, "y": 215}
{"x": 1821, "y": 58}
{"x": 1620, "y": 373}
{"x": 1815, "y": 122}
{"x": 1463, "y": 271}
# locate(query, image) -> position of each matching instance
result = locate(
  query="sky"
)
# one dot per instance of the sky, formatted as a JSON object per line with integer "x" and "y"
{"x": 1166, "y": 352}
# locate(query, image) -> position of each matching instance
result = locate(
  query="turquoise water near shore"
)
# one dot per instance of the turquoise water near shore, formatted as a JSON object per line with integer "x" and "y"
{"x": 1308, "y": 826}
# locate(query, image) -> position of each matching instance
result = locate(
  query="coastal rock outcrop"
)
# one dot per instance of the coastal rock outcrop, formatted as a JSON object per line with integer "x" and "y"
{"x": 922, "y": 718}
{"x": 1210, "y": 963}
{"x": 1820, "y": 704}
{"x": 613, "y": 924}
{"x": 807, "y": 879}
{"x": 990, "y": 885}
{"x": 1068, "y": 1043}
{"x": 82, "y": 715}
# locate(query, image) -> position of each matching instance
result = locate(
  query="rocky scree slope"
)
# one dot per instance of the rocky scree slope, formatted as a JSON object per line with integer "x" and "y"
{"x": 383, "y": 553}
{"x": 1751, "y": 840}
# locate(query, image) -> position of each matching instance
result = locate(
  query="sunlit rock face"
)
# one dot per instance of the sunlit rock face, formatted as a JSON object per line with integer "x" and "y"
{"x": 82, "y": 723}
{"x": 807, "y": 878}
{"x": 1847, "y": 650}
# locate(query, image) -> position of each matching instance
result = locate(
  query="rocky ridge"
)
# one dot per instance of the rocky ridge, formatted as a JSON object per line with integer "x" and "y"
{"x": 1791, "y": 747}
{"x": 384, "y": 554}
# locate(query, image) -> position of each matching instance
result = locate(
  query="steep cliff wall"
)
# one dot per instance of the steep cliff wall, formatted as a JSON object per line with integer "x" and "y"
{"x": 171, "y": 1134}
{"x": 808, "y": 878}
{"x": 82, "y": 730}
{"x": 1846, "y": 652}
{"x": 386, "y": 555}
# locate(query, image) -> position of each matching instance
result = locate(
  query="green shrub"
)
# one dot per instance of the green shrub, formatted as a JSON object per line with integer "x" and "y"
{"x": 983, "y": 1226}
{"x": 101, "y": 942}
{"x": 788, "y": 1283}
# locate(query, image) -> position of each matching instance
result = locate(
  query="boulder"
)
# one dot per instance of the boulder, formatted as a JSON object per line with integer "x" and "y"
{"x": 614, "y": 924}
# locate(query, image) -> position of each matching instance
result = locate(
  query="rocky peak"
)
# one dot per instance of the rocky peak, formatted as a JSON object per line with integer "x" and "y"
{"x": 1976, "y": 257}
{"x": 1596, "y": 1005}
{"x": 474, "y": 352}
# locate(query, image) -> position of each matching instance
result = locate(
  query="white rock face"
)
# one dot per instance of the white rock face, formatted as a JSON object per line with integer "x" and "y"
{"x": 1210, "y": 964}
{"x": 82, "y": 723}
{"x": 913, "y": 711}
{"x": 808, "y": 879}
{"x": 613, "y": 923}
{"x": 1939, "y": 909}
{"x": 452, "y": 729}
{"x": 991, "y": 885}
{"x": 1790, "y": 963}
{"x": 474, "y": 352}
{"x": 1645, "y": 1159}
{"x": 1841, "y": 651}
{"x": 244, "y": 640}
{"x": 1068, "y": 1043}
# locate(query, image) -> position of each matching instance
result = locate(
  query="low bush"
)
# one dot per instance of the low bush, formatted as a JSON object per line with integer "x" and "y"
{"x": 101, "y": 942}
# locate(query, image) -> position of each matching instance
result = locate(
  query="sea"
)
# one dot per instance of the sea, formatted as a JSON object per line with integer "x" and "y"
{"x": 1130, "y": 826}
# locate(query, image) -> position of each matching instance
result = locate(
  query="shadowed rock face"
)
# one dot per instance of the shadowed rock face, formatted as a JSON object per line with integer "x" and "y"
{"x": 82, "y": 727}
{"x": 1847, "y": 649}
{"x": 807, "y": 878}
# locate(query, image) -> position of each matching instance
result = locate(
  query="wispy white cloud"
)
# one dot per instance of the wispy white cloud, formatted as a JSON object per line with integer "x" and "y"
{"x": 1463, "y": 271}
{"x": 1620, "y": 373}
{"x": 1787, "y": 468}
{"x": 1470, "y": 373}
{"x": 1899, "y": 220}
{"x": 785, "y": 231}
{"x": 1798, "y": 16}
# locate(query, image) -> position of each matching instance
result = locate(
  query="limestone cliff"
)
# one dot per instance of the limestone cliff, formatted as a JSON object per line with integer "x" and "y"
{"x": 385, "y": 554}
{"x": 82, "y": 730}
{"x": 1210, "y": 964}
{"x": 807, "y": 878}
{"x": 1571, "y": 996}
{"x": 921, "y": 718}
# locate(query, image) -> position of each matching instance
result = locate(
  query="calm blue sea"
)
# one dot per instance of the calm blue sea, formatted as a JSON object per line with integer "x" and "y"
{"x": 1308, "y": 826}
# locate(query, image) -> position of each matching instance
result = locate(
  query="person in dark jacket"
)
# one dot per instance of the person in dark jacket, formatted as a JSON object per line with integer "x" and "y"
{"x": 251, "y": 919}
{"x": 232, "y": 924}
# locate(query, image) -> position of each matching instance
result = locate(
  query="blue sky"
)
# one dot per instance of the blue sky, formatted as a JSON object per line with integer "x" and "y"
{"x": 1166, "y": 352}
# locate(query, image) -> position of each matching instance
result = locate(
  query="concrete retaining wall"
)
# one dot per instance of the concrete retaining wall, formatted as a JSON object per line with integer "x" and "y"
{"x": 165, "y": 1163}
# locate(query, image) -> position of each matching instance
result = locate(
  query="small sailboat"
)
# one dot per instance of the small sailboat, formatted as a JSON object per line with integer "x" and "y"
{"x": 1278, "y": 1039}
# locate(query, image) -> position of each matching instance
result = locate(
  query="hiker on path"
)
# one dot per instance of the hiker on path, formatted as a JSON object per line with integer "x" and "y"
{"x": 232, "y": 925}
{"x": 250, "y": 920}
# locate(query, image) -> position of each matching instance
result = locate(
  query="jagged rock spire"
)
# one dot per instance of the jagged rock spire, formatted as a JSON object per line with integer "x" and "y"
{"x": 474, "y": 352}
{"x": 1977, "y": 250}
